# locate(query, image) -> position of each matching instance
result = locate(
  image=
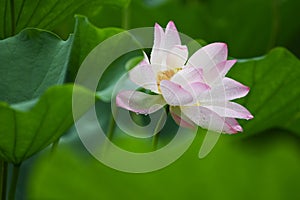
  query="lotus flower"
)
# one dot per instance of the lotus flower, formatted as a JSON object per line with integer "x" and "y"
{"x": 196, "y": 89}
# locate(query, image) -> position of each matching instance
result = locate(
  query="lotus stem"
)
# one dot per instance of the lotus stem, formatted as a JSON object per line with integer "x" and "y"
{"x": 156, "y": 133}
{"x": 3, "y": 180}
{"x": 14, "y": 182}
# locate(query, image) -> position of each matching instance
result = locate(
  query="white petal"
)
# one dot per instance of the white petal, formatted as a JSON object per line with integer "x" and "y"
{"x": 177, "y": 57}
{"x": 209, "y": 56}
{"x": 180, "y": 118}
{"x": 145, "y": 60}
{"x": 144, "y": 76}
{"x": 229, "y": 109}
{"x": 188, "y": 75}
{"x": 219, "y": 71}
{"x": 159, "y": 39}
{"x": 139, "y": 102}
{"x": 207, "y": 119}
{"x": 229, "y": 89}
{"x": 171, "y": 36}
{"x": 158, "y": 36}
{"x": 164, "y": 42}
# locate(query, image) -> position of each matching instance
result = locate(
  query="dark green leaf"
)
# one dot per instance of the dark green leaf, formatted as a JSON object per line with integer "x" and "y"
{"x": 44, "y": 14}
{"x": 31, "y": 61}
{"x": 275, "y": 92}
{"x": 86, "y": 37}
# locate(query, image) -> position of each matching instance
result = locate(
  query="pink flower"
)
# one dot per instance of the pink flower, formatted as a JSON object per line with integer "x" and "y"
{"x": 196, "y": 89}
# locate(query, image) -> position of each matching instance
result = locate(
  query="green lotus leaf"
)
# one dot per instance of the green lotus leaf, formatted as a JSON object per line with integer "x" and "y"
{"x": 274, "y": 91}
{"x": 45, "y": 14}
{"x": 86, "y": 37}
{"x": 32, "y": 61}
{"x": 27, "y": 128}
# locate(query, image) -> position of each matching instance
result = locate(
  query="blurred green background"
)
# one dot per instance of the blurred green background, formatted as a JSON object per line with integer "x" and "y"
{"x": 261, "y": 163}
{"x": 250, "y": 27}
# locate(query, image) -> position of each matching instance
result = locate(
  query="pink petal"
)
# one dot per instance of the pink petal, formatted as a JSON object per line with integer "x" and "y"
{"x": 209, "y": 56}
{"x": 180, "y": 118}
{"x": 234, "y": 89}
{"x": 177, "y": 57}
{"x": 171, "y": 36}
{"x": 207, "y": 119}
{"x": 230, "y": 109}
{"x": 229, "y": 89}
{"x": 144, "y": 76}
{"x": 174, "y": 94}
{"x": 190, "y": 79}
{"x": 234, "y": 124}
{"x": 219, "y": 71}
{"x": 198, "y": 88}
{"x": 223, "y": 69}
{"x": 139, "y": 102}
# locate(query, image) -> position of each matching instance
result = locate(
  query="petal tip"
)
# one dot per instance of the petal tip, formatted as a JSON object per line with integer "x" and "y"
{"x": 235, "y": 130}
{"x": 223, "y": 47}
{"x": 238, "y": 128}
{"x": 250, "y": 117}
{"x": 158, "y": 27}
{"x": 232, "y": 62}
{"x": 222, "y": 44}
{"x": 232, "y": 131}
{"x": 171, "y": 25}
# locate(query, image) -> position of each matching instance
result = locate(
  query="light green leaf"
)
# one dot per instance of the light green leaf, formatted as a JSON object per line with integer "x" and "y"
{"x": 44, "y": 14}
{"x": 31, "y": 61}
{"x": 25, "y": 130}
{"x": 133, "y": 62}
{"x": 274, "y": 91}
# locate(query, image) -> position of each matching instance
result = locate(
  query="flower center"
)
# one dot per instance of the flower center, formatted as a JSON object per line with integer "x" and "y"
{"x": 165, "y": 75}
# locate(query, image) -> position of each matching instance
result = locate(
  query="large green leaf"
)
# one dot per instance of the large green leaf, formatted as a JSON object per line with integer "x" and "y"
{"x": 260, "y": 168}
{"x": 27, "y": 128}
{"x": 44, "y": 14}
{"x": 30, "y": 62}
{"x": 275, "y": 92}
{"x": 86, "y": 37}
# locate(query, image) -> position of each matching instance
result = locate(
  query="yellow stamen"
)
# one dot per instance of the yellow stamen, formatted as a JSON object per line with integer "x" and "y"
{"x": 165, "y": 75}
